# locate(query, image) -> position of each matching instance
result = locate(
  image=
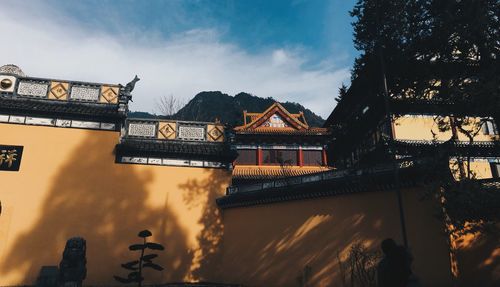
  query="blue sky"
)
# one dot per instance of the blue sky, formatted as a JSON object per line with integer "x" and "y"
{"x": 290, "y": 50}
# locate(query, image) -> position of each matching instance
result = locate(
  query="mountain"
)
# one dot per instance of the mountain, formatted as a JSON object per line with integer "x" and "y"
{"x": 208, "y": 106}
{"x": 143, "y": 115}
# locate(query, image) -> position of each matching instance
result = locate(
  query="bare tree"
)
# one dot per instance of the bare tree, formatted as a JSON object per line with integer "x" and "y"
{"x": 168, "y": 105}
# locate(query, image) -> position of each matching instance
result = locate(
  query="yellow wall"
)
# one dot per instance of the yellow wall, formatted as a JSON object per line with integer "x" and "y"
{"x": 69, "y": 185}
{"x": 425, "y": 128}
{"x": 480, "y": 169}
{"x": 270, "y": 245}
{"x": 478, "y": 256}
{"x": 418, "y": 128}
{"x": 422, "y": 127}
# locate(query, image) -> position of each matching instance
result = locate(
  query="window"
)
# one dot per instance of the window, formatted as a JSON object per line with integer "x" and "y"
{"x": 247, "y": 156}
{"x": 312, "y": 157}
{"x": 279, "y": 157}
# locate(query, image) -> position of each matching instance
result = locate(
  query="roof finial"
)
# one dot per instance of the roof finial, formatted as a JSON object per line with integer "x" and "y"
{"x": 127, "y": 90}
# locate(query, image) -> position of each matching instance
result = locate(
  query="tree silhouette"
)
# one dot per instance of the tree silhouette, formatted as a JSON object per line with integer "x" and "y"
{"x": 145, "y": 260}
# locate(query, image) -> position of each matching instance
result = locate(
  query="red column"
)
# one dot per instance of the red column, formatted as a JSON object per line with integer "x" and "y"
{"x": 325, "y": 161}
{"x": 259, "y": 156}
{"x": 301, "y": 157}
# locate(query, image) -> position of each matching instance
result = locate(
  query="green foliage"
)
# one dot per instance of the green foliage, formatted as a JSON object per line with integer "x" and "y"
{"x": 342, "y": 93}
{"x": 444, "y": 50}
{"x": 145, "y": 260}
{"x": 472, "y": 205}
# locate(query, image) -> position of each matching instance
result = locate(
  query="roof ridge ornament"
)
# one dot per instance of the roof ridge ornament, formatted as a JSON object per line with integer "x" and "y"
{"x": 129, "y": 87}
{"x": 13, "y": 70}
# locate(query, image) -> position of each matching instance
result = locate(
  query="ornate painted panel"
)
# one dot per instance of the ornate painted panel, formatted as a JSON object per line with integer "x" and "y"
{"x": 58, "y": 91}
{"x": 191, "y": 132}
{"x": 215, "y": 133}
{"x": 109, "y": 94}
{"x": 85, "y": 93}
{"x": 7, "y": 83}
{"x": 275, "y": 121}
{"x": 167, "y": 130}
{"x": 10, "y": 157}
{"x": 33, "y": 89}
{"x": 138, "y": 129}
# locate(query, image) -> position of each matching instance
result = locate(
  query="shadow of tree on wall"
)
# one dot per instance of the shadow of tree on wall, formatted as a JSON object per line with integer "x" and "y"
{"x": 276, "y": 244}
{"x": 204, "y": 192}
{"x": 106, "y": 203}
{"x": 279, "y": 245}
{"x": 478, "y": 257}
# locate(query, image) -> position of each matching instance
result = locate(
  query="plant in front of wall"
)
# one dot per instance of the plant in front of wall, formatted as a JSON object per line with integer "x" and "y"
{"x": 145, "y": 260}
{"x": 359, "y": 267}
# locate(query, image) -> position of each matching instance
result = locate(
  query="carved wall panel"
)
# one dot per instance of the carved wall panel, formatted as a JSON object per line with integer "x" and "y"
{"x": 33, "y": 89}
{"x": 85, "y": 93}
{"x": 142, "y": 129}
{"x": 188, "y": 132}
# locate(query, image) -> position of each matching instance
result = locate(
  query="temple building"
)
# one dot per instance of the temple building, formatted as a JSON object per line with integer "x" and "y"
{"x": 259, "y": 205}
{"x": 276, "y": 143}
{"x": 361, "y": 132}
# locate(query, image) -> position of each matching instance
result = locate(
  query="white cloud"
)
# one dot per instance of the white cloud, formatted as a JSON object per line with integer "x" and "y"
{"x": 47, "y": 44}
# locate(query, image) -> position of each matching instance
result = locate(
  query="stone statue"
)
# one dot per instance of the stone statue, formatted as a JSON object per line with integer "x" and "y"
{"x": 73, "y": 266}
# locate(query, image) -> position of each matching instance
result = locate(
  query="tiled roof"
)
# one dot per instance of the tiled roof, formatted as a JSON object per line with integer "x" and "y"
{"x": 40, "y": 107}
{"x": 285, "y": 131}
{"x": 329, "y": 183}
{"x": 270, "y": 172}
{"x": 21, "y": 95}
{"x": 296, "y": 120}
{"x": 176, "y": 149}
{"x": 477, "y": 148}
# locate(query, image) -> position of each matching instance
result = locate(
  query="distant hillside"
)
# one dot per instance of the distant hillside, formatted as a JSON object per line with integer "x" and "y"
{"x": 143, "y": 115}
{"x": 207, "y": 106}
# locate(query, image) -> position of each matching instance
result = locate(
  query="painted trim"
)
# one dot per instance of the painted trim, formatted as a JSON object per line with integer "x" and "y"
{"x": 58, "y": 123}
{"x": 287, "y": 147}
{"x": 168, "y": 162}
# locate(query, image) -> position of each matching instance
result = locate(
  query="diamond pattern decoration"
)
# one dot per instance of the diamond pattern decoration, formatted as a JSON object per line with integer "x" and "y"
{"x": 109, "y": 94}
{"x": 167, "y": 130}
{"x": 215, "y": 133}
{"x": 58, "y": 91}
